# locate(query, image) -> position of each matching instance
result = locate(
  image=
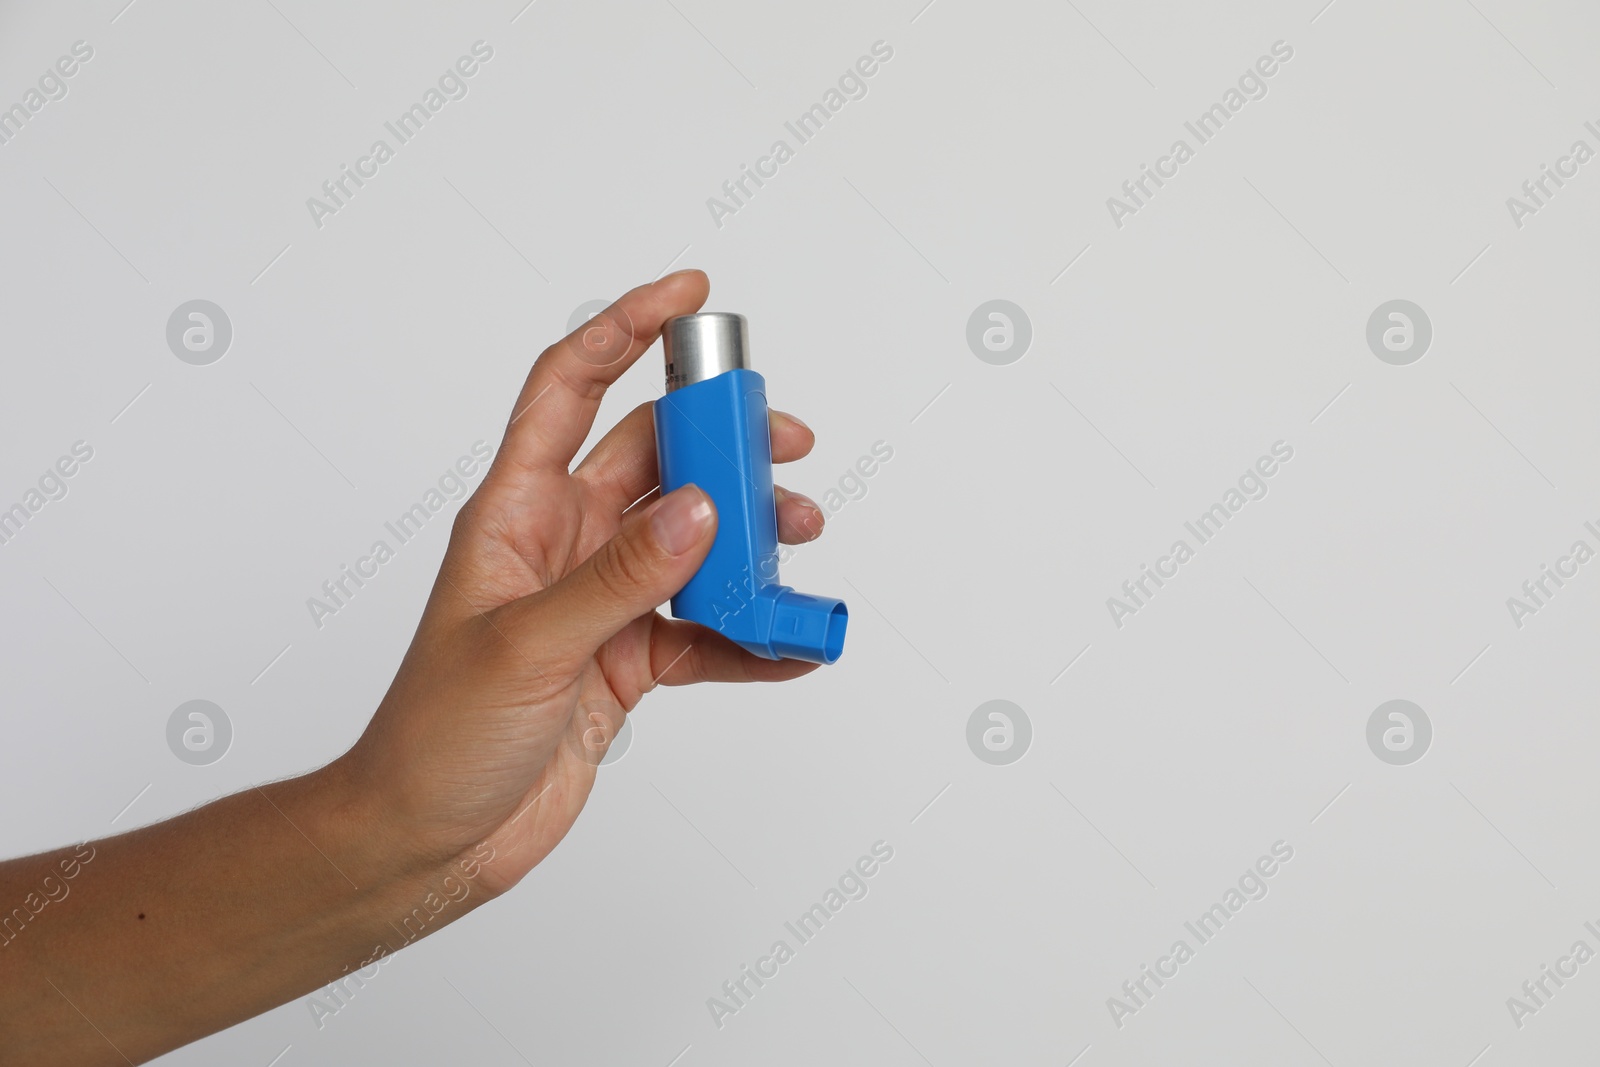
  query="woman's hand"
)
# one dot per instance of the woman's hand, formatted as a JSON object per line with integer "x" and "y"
{"x": 541, "y": 633}
{"x": 538, "y": 637}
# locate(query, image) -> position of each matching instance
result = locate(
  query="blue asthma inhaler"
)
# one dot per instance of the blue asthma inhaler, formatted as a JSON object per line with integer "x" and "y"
{"x": 712, "y": 430}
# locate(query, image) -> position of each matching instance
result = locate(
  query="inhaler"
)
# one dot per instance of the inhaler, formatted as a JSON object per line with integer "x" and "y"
{"x": 712, "y": 430}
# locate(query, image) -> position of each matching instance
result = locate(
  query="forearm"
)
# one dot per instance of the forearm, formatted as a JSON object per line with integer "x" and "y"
{"x": 180, "y": 929}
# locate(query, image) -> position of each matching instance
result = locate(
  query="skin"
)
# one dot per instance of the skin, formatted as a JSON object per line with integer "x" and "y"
{"x": 539, "y": 636}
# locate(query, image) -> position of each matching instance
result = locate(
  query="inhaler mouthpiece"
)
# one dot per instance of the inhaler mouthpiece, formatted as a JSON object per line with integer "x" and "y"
{"x": 712, "y": 430}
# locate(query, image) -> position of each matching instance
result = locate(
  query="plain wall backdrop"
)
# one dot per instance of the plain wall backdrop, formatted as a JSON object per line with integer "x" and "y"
{"x": 1150, "y": 352}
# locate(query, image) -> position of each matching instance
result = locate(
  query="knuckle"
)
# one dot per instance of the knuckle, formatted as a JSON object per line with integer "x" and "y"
{"x": 621, "y": 569}
{"x": 466, "y": 518}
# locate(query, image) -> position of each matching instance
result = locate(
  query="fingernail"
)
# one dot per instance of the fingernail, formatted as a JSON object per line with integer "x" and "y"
{"x": 799, "y": 498}
{"x": 678, "y": 519}
{"x": 798, "y": 422}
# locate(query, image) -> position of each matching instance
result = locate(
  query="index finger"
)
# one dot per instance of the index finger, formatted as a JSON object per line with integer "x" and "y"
{"x": 558, "y": 403}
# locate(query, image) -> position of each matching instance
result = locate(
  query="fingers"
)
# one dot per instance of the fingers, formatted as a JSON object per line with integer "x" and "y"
{"x": 557, "y": 405}
{"x": 682, "y": 653}
{"x": 655, "y": 554}
{"x": 622, "y": 466}
{"x": 800, "y": 520}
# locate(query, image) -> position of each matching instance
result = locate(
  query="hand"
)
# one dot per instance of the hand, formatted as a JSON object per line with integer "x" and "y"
{"x": 541, "y": 633}
{"x": 538, "y": 638}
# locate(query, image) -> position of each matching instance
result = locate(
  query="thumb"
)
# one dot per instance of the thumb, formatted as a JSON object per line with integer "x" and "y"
{"x": 649, "y": 560}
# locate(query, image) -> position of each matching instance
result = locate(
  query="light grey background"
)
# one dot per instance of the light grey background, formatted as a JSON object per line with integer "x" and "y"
{"x": 1166, "y": 756}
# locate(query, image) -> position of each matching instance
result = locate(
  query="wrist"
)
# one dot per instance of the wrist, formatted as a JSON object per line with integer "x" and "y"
{"x": 390, "y": 892}
{"x": 373, "y": 837}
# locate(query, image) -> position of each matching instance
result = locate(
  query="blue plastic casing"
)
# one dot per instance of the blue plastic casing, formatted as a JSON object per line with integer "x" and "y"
{"x": 715, "y": 434}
